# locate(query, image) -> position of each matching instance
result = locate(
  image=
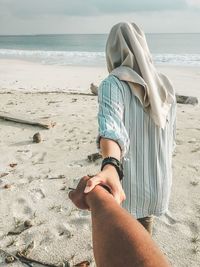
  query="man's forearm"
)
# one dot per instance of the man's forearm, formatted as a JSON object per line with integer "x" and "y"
{"x": 118, "y": 239}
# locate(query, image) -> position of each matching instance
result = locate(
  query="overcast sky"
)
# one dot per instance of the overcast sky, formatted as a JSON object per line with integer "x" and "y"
{"x": 97, "y": 16}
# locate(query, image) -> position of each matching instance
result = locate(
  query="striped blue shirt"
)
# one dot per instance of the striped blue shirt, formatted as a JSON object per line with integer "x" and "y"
{"x": 146, "y": 148}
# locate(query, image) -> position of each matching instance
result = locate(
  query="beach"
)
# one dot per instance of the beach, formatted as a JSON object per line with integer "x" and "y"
{"x": 35, "y": 177}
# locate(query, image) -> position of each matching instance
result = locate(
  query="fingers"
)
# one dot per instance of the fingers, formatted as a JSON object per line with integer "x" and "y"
{"x": 71, "y": 194}
{"x": 117, "y": 198}
{"x": 115, "y": 188}
{"x": 76, "y": 195}
{"x": 91, "y": 183}
{"x": 123, "y": 198}
{"x": 119, "y": 195}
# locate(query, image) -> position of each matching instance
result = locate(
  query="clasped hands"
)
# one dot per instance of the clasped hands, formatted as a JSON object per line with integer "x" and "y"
{"x": 108, "y": 177}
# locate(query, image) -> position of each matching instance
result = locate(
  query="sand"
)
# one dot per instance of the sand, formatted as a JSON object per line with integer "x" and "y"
{"x": 36, "y": 188}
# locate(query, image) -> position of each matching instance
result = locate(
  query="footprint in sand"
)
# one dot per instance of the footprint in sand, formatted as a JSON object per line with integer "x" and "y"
{"x": 168, "y": 219}
{"x": 189, "y": 229}
{"x": 38, "y": 158}
{"x": 37, "y": 194}
{"x": 33, "y": 178}
{"x": 179, "y": 142}
{"x": 77, "y": 163}
{"x": 58, "y": 140}
{"x": 65, "y": 230}
{"x": 194, "y": 167}
{"x": 83, "y": 221}
{"x": 194, "y": 228}
{"x": 24, "y": 155}
{"x": 21, "y": 208}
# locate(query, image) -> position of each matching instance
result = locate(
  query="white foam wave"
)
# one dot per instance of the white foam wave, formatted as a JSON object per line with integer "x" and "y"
{"x": 177, "y": 59}
{"x": 92, "y": 58}
{"x": 56, "y": 57}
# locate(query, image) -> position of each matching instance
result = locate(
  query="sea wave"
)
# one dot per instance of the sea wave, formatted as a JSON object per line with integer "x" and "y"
{"x": 91, "y": 58}
{"x": 177, "y": 59}
{"x": 56, "y": 57}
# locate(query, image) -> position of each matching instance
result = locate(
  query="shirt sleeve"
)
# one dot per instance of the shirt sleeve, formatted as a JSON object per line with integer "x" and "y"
{"x": 110, "y": 116}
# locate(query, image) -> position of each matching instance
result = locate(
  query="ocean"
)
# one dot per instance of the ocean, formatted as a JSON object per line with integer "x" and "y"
{"x": 88, "y": 49}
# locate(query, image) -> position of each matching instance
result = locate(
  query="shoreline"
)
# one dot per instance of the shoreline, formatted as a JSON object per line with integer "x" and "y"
{"x": 18, "y": 75}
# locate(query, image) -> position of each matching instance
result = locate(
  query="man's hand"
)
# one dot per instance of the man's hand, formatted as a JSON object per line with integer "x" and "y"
{"x": 108, "y": 177}
{"x": 77, "y": 196}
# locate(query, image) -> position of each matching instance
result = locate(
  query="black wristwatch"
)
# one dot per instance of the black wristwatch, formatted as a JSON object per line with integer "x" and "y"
{"x": 115, "y": 163}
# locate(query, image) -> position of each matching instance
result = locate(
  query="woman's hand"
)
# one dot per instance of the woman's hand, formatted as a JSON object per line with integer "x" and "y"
{"x": 110, "y": 178}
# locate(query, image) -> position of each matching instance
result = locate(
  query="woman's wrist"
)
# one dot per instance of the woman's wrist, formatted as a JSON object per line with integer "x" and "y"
{"x": 112, "y": 170}
{"x": 109, "y": 167}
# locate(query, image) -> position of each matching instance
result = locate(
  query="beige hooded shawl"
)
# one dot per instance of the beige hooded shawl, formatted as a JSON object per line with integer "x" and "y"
{"x": 128, "y": 58}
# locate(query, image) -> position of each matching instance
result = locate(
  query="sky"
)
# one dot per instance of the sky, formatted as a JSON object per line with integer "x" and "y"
{"x": 97, "y": 16}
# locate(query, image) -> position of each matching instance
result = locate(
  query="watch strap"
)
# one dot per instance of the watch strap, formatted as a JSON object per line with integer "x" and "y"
{"x": 115, "y": 163}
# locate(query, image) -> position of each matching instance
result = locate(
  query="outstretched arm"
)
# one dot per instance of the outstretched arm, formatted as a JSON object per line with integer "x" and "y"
{"x": 118, "y": 239}
{"x": 113, "y": 139}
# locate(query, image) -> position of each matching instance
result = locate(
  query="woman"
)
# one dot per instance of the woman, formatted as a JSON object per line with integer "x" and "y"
{"x": 136, "y": 126}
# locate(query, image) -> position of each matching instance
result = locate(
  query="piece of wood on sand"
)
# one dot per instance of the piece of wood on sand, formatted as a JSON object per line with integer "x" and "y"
{"x": 22, "y": 119}
{"x": 94, "y": 89}
{"x": 182, "y": 99}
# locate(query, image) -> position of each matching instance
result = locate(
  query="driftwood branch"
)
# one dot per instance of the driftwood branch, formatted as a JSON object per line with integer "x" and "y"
{"x": 182, "y": 99}
{"x": 22, "y": 258}
{"x": 20, "y": 228}
{"x": 43, "y": 124}
{"x": 94, "y": 89}
{"x": 26, "y": 260}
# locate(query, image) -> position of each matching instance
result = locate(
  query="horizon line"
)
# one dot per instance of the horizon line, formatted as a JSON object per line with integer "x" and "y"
{"x": 40, "y": 34}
